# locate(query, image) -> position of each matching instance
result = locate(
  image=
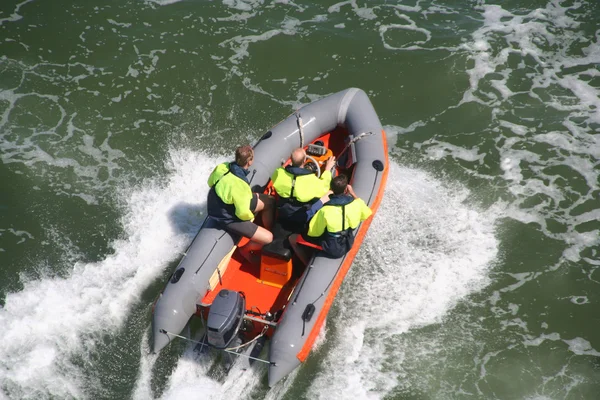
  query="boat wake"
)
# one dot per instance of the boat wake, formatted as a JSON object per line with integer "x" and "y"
{"x": 426, "y": 250}
{"x": 191, "y": 379}
{"x": 56, "y": 327}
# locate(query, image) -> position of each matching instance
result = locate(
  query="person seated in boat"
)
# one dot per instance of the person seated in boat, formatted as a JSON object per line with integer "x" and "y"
{"x": 332, "y": 226}
{"x": 299, "y": 188}
{"x": 233, "y": 205}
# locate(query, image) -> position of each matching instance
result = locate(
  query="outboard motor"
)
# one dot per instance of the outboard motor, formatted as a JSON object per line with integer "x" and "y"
{"x": 225, "y": 318}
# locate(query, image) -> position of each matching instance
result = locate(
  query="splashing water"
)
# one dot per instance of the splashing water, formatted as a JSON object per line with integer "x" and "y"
{"x": 53, "y": 319}
{"x": 425, "y": 251}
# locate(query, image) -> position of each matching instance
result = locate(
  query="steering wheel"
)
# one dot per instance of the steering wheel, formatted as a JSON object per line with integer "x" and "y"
{"x": 318, "y": 167}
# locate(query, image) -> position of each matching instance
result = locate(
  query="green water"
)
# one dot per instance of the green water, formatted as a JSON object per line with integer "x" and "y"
{"x": 478, "y": 278}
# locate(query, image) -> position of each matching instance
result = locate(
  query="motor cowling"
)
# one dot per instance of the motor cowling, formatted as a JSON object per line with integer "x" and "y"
{"x": 225, "y": 318}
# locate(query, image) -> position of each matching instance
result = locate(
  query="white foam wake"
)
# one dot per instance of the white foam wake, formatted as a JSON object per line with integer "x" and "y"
{"x": 425, "y": 251}
{"x": 52, "y": 319}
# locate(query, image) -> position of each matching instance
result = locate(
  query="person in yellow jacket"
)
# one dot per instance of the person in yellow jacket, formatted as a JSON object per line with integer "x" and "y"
{"x": 299, "y": 189}
{"x": 332, "y": 226}
{"x": 233, "y": 205}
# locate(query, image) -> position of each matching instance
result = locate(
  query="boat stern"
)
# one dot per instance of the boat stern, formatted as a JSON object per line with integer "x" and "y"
{"x": 160, "y": 337}
{"x": 281, "y": 368}
{"x": 170, "y": 315}
{"x": 283, "y": 357}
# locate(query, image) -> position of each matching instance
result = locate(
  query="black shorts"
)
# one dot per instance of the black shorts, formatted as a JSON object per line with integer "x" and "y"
{"x": 243, "y": 228}
{"x": 247, "y": 228}
{"x": 254, "y": 201}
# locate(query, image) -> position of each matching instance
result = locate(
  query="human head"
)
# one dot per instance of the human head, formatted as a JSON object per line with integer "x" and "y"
{"x": 244, "y": 156}
{"x": 298, "y": 156}
{"x": 338, "y": 184}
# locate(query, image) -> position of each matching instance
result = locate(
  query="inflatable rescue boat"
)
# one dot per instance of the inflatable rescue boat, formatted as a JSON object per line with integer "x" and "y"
{"x": 242, "y": 305}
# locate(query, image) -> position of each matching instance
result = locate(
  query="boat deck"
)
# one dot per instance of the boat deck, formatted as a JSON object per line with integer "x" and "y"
{"x": 241, "y": 276}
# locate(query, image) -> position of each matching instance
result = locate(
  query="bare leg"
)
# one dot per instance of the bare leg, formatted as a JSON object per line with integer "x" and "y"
{"x": 262, "y": 236}
{"x": 257, "y": 241}
{"x": 302, "y": 252}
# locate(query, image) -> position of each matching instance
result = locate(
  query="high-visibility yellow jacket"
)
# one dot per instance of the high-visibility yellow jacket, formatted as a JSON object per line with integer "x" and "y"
{"x": 334, "y": 222}
{"x": 230, "y": 195}
{"x": 306, "y": 187}
{"x": 329, "y": 218}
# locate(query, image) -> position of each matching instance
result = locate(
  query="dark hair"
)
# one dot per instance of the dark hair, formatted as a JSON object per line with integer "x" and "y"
{"x": 338, "y": 184}
{"x": 243, "y": 154}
